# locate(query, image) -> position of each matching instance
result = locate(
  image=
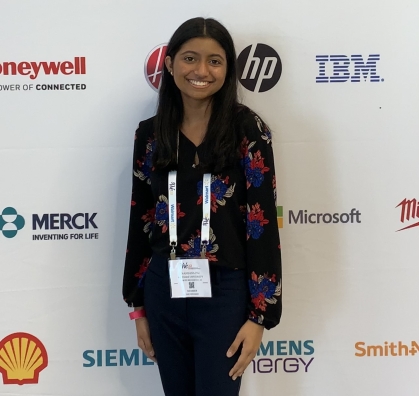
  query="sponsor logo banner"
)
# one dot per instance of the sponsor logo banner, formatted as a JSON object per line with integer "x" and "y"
{"x": 11, "y": 222}
{"x": 22, "y": 358}
{"x": 153, "y": 66}
{"x": 115, "y": 358}
{"x": 347, "y": 68}
{"x": 283, "y": 356}
{"x": 78, "y": 226}
{"x": 303, "y": 216}
{"x": 409, "y": 212}
{"x": 35, "y": 70}
{"x": 395, "y": 348}
{"x": 259, "y": 67}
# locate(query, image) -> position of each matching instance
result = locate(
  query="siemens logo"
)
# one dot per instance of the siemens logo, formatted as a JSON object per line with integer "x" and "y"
{"x": 115, "y": 357}
{"x": 286, "y": 356}
{"x": 343, "y": 68}
{"x": 61, "y": 221}
{"x": 303, "y": 217}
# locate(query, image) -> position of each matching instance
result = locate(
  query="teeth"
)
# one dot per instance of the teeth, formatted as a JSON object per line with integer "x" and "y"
{"x": 199, "y": 83}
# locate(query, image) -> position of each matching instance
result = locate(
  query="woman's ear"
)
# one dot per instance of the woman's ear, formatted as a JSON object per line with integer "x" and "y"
{"x": 168, "y": 63}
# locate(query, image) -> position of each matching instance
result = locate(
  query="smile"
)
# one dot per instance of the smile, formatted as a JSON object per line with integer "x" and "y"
{"x": 196, "y": 83}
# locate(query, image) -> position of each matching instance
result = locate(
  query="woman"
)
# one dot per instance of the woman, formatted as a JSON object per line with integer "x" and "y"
{"x": 203, "y": 265}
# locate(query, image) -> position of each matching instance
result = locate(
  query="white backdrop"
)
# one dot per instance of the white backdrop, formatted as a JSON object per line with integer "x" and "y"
{"x": 349, "y": 288}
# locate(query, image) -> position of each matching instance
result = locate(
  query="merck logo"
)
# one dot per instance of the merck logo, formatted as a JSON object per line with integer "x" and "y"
{"x": 33, "y": 69}
{"x": 343, "y": 68}
{"x": 11, "y": 222}
{"x": 409, "y": 211}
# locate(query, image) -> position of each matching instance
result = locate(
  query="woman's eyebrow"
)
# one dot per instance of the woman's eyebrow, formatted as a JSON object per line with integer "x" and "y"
{"x": 196, "y": 53}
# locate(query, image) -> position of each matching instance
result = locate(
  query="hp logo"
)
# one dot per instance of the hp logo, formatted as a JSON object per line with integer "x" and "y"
{"x": 259, "y": 67}
{"x": 342, "y": 68}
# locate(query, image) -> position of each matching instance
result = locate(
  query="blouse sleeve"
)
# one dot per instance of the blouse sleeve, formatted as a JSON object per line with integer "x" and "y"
{"x": 141, "y": 220}
{"x": 263, "y": 245}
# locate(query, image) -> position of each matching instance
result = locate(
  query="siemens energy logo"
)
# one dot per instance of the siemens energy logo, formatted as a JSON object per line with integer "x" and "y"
{"x": 283, "y": 356}
{"x": 343, "y": 68}
{"x": 259, "y": 67}
{"x": 11, "y": 222}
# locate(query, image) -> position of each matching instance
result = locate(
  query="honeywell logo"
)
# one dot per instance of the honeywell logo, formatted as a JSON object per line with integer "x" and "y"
{"x": 34, "y": 69}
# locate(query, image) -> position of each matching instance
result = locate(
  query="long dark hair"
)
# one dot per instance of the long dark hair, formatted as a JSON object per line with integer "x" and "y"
{"x": 222, "y": 138}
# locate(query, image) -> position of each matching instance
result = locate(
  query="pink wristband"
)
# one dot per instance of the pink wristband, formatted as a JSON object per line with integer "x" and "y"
{"x": 137, "y": 314}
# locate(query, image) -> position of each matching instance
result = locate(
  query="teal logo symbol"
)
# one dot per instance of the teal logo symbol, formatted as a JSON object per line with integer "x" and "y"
{"x": 11, "y": 222}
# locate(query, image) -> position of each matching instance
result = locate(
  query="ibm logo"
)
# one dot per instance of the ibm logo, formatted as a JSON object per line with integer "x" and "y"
{"x": 344, "y": 68}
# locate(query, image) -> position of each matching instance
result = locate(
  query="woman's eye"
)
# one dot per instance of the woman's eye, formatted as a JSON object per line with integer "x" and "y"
{"x": 189, "y": 58}
{"x": 215, "y": 62}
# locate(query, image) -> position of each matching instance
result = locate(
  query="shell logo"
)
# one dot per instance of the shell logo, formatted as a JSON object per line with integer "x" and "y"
{"x": 22, "y": 358}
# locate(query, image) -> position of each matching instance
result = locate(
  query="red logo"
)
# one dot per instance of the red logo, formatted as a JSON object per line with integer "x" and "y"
{"x": 22, "y": 358}
{"x": 409, "y": 211}
{"x": 153, "y": 67}
{"x": 32, "y": 69}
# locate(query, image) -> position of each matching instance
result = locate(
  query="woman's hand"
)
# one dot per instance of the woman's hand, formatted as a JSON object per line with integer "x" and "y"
{"x": 250, "y": 335}
{"x": 143, "y": 337}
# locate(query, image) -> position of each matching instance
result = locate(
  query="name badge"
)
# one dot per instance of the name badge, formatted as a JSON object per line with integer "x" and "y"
{"x": 189, "y": 277}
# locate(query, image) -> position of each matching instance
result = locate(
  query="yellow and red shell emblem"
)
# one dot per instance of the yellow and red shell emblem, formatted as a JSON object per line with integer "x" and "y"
{"x": 22, "y": 358}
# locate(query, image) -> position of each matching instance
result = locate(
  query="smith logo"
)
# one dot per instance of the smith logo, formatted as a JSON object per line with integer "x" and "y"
{"x": 33, "y": 69}
{"x": 409, "y": 211}
{"x": 22, "y": 358}
{"x": 342, "y": 68}
{"x": 387, "y": 349}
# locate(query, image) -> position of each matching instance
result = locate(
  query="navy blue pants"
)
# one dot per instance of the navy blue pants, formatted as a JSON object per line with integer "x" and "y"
{"x": 191, "y": 336}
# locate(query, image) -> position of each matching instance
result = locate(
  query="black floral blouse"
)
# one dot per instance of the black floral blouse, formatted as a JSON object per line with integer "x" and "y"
{"x": 243, "y": 233}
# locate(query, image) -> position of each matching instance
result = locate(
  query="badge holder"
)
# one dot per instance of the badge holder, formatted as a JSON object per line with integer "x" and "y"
{"x": 189, "y": 276}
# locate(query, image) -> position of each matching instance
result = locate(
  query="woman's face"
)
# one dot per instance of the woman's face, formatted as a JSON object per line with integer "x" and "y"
{"x": 199, "y": 68}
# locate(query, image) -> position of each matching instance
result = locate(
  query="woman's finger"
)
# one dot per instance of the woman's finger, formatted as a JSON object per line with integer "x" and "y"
{"x": 241, "y": 364}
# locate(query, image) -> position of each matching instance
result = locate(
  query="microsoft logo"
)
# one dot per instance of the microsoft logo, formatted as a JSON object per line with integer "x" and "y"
{"x": 279, "y": 216}
{"x": 11, "y": 222}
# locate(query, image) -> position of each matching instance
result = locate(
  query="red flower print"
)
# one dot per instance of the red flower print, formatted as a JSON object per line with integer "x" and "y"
{"x": 149, "y": 216}
{"x": 256, "y": 214}
{"x": 143, "y": 268}
{"x": 259, "y": 302}
{"x": 258, "y": 162}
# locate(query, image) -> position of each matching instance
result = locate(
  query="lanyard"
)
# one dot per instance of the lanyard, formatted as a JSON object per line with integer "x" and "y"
{"x": 206, "y": 212}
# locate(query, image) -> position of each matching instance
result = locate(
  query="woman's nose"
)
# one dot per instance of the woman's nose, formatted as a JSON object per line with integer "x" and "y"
{"x": 201, "y": 69}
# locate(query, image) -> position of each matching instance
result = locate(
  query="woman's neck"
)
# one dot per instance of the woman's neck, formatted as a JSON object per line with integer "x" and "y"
{"x": 195, "y": 120}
